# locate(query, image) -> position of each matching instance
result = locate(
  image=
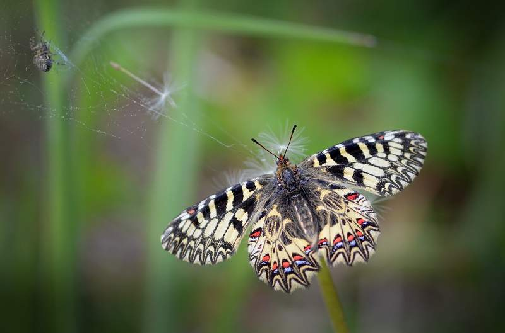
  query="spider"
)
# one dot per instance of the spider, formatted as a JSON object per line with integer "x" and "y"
{"x": 42, "y": 58}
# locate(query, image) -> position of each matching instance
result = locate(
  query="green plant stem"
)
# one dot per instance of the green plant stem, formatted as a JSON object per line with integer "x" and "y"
{"x": 330, "y": 295}
{"x": 57, "y": 241}
{"x": 212, "y": 21}
{"x": 174, "y": 184}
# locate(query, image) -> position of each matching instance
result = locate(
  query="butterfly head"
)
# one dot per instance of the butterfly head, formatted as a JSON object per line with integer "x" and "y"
{"x": 287, "y": 174}
{"x": 282, "y": 160}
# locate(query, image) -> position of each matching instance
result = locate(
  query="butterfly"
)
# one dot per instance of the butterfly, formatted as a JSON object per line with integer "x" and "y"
{"x": 303, "y": 213}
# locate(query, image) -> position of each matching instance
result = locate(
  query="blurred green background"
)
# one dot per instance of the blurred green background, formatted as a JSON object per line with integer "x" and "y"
{"x": 89, "y": 180}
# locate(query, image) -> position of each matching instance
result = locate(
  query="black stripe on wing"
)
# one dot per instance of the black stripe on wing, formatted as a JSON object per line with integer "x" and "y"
{"x": 383, "y": 163}
{"x": 210, "y": 232}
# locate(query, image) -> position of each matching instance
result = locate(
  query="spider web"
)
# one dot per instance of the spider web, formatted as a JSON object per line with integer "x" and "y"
{"x": 99, "y": 97}
{"x": 104, "y": 97}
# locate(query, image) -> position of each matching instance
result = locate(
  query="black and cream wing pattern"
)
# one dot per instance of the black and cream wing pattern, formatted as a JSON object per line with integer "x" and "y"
{"x": 301, "y": 214}
{"x": 210, "y": 232}
{"x": 383, "y": 163}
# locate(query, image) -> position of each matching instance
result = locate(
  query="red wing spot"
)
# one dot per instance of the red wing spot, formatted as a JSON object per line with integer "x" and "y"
{"x": 381, "y": 137}
{"x": 255, "y": 234}
{"x": 190, "y": 211}
{"x": 322, "y": 241}
{"x": 274, "y": 266}
{"x": 285, "y": 264}
{"x": 266, "y": 258}
{"x": 350, "y": 238}
{"x": 361, "y": 221}
{"x": 307, "y": 248}
{"x": 352, "y": 196}
{"x": 337, "y": 240}
{"x": 298, "y": 257}
{"x": 359, "y": 233}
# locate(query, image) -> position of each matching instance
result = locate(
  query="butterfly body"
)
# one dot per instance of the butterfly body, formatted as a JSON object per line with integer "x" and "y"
{"x": 287, "y": 175}
{"x": 303, "y": 213}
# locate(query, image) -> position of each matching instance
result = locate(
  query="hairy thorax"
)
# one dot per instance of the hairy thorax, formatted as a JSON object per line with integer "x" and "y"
{"x": 287, "y": 175}
{"x": 290, "y": 179}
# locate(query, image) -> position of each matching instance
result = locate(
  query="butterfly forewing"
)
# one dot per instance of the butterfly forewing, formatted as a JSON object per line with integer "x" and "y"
{"x": 383, "y": 163}
{"x": 211, "y": 231}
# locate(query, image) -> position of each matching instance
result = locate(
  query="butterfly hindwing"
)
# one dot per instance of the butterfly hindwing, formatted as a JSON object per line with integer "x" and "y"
{"x": 279, "y": 253}
{"x": 383, "y": 163}
{"x": 349, "y": 226}
{"x": 210, "y": 232}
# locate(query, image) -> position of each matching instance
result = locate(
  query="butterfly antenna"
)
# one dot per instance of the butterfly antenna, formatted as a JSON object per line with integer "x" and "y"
{"x": 291, "y": 137}
{"x": 259, "y": 144}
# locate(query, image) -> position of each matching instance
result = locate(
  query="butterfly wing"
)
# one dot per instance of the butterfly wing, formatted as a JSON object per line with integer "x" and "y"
{"x": 210, "y": 232}
{"x": 279, "y": 252}
{"x": 348, "y": 224}
{"x": 383, "y": 163}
